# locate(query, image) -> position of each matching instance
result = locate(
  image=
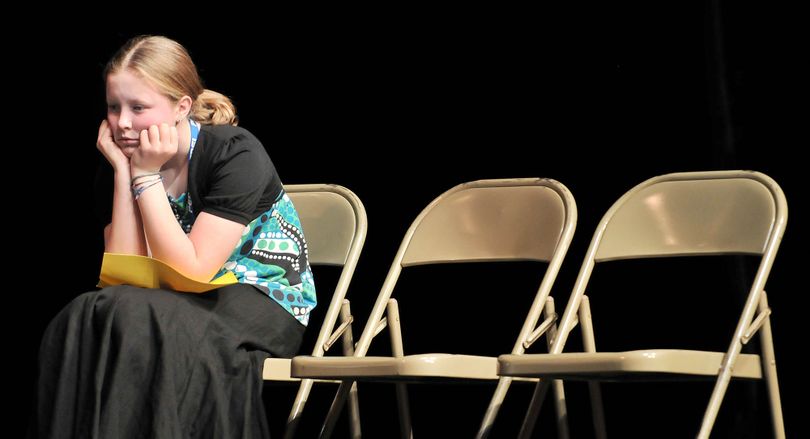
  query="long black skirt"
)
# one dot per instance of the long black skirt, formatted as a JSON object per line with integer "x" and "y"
{"x": 127, "y": 362}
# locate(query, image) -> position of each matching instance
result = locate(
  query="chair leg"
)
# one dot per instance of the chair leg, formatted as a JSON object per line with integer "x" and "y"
{"x": 589, "y": 343}
{"x": 597, "y": 410}
{"x": 559, "y": 391}
{"x": 297, "y": 408}
{"x": 405, "y": 427}
{"x": 395, "y": 330}
{"x": 335, "y": 408}
{"x": 306, "y": 387}
{"x": 753, "y": 303}
{"x": 494, "y": 407}
{"x": 348, "y": 350}
{"x": 354, "y": 413}
{"x": 504, "y": 383}
{"x": 535, "y": 405}
{"x": 769, "y": 370}
{"x": 713, "y": 408}
{"x": 561, "y": 408}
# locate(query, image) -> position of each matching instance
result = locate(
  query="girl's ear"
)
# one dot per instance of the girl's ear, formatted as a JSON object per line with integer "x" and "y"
{"x": 183, "y": 108}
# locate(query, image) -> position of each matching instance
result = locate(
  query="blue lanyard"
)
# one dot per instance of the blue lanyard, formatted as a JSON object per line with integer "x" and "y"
{"x": 195, "y": 132}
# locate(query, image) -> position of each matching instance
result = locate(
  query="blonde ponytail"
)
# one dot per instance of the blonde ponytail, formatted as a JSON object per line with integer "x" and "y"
{"x": 212, "y": 108}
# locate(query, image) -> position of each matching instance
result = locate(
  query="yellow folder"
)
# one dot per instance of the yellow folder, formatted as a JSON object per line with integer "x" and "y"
{"x": 146, "y": 272}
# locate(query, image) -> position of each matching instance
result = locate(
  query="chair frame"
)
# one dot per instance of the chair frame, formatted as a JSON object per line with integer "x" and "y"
{"x": 278, "y": 369}
{"x": 436, "y": 367}
{"x": 592, "y": 365}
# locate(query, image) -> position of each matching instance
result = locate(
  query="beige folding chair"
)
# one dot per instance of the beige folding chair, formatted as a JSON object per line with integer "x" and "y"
{"x": 334, "y": 221}
{"x": 683, "y": 214}
{"x": 488, "y": 220}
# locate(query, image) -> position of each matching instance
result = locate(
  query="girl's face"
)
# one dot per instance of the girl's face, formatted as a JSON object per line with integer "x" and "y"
{"x": 133, "y": 105}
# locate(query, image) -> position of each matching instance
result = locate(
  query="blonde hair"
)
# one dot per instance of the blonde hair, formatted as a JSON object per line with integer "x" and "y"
{"x": 167, "y": 65}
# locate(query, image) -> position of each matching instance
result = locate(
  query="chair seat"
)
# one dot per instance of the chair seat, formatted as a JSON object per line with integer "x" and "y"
{"x": 277, "y": 369}
{"x": 422, "y": 367}
{"x": 642, "y": 365}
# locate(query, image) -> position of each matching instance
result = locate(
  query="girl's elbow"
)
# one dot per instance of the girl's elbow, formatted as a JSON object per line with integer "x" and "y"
{"x": 203, "y": 275}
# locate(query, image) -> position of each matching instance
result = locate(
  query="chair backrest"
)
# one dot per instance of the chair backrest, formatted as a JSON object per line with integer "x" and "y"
{"x": 692, "y": 213}
{"x": 334, "y": 223}
{"x": 670, "y": 216}
{"x": 487, "y": 220}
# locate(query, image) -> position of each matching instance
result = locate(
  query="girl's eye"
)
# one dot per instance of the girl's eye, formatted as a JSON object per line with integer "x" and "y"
{"x": 137, "y": 108}
{"x": 112, "y": 108}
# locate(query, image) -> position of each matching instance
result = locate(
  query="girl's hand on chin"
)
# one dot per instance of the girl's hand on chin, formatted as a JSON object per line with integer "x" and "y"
{"x": 158, "y": 146}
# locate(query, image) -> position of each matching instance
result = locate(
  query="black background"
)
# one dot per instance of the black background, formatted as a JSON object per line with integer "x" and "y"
{"x": 402, "y": 105}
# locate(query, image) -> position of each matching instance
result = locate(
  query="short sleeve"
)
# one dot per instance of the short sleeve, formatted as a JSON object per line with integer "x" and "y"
{"x": 240, "y": 176}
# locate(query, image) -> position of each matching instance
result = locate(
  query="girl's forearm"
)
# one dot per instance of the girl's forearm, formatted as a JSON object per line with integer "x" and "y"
{"x": 125, "y": 233}
{"x": 167, "y": 240}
